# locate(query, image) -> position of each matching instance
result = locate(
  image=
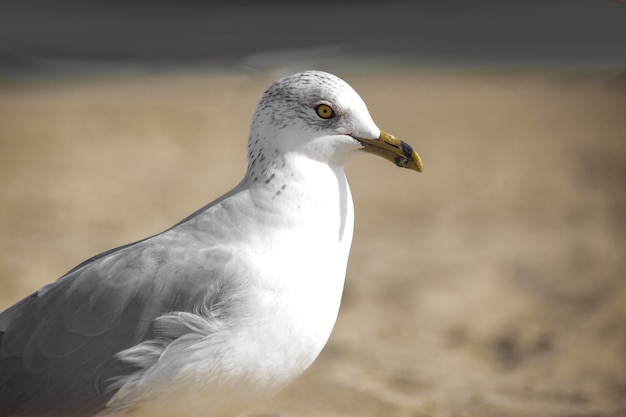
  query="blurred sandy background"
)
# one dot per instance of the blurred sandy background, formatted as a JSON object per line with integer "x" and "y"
{"x": 492, "y": 284}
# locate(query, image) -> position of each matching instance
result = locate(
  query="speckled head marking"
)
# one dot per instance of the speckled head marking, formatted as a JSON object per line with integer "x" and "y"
{"x": 293, "y": 99}
{"x": 288, "y": 114}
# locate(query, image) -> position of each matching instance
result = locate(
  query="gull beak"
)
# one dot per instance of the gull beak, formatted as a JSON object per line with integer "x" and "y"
{"x": 394, "y": 150}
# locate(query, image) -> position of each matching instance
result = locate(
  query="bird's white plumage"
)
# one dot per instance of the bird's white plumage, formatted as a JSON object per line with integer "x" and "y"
{"x": 287, "y": 230}
{"x": 226, "y": 307}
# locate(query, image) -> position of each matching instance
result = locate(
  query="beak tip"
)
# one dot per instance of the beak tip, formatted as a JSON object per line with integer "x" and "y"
{"x": 419, "y": 167}
{"x": 412, "y": 161}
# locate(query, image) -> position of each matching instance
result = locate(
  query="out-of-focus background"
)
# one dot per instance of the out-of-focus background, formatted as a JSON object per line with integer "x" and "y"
{"x": 492, "y": 284}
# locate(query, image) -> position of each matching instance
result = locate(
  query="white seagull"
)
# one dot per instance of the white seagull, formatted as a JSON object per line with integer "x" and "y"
{"x": 223, "y": 309}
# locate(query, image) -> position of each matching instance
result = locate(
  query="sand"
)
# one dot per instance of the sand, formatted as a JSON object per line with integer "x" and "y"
{"x": 492, "y": 284}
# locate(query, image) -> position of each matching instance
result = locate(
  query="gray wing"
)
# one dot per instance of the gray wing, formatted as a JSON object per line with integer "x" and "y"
{"x": 58, "y": 346}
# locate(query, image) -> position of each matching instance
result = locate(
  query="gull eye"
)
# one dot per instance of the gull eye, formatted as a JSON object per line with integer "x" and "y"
{"x": 325, "y": 111}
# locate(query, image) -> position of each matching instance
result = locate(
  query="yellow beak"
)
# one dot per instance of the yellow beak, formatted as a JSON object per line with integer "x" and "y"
{"x": 394, "y": 150}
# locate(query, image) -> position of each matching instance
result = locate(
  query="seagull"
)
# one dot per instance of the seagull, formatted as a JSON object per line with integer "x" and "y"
{"x": 225, "y": 308}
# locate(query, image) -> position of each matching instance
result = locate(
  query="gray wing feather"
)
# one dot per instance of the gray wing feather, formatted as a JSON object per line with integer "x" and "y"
{"x": 58, "y": 346}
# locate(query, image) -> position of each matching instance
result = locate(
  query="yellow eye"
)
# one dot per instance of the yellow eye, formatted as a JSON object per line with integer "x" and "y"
{"x": 325, "y": 111}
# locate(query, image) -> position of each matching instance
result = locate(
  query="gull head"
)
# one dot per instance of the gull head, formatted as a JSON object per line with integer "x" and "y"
{"x": 317, "y": 115}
